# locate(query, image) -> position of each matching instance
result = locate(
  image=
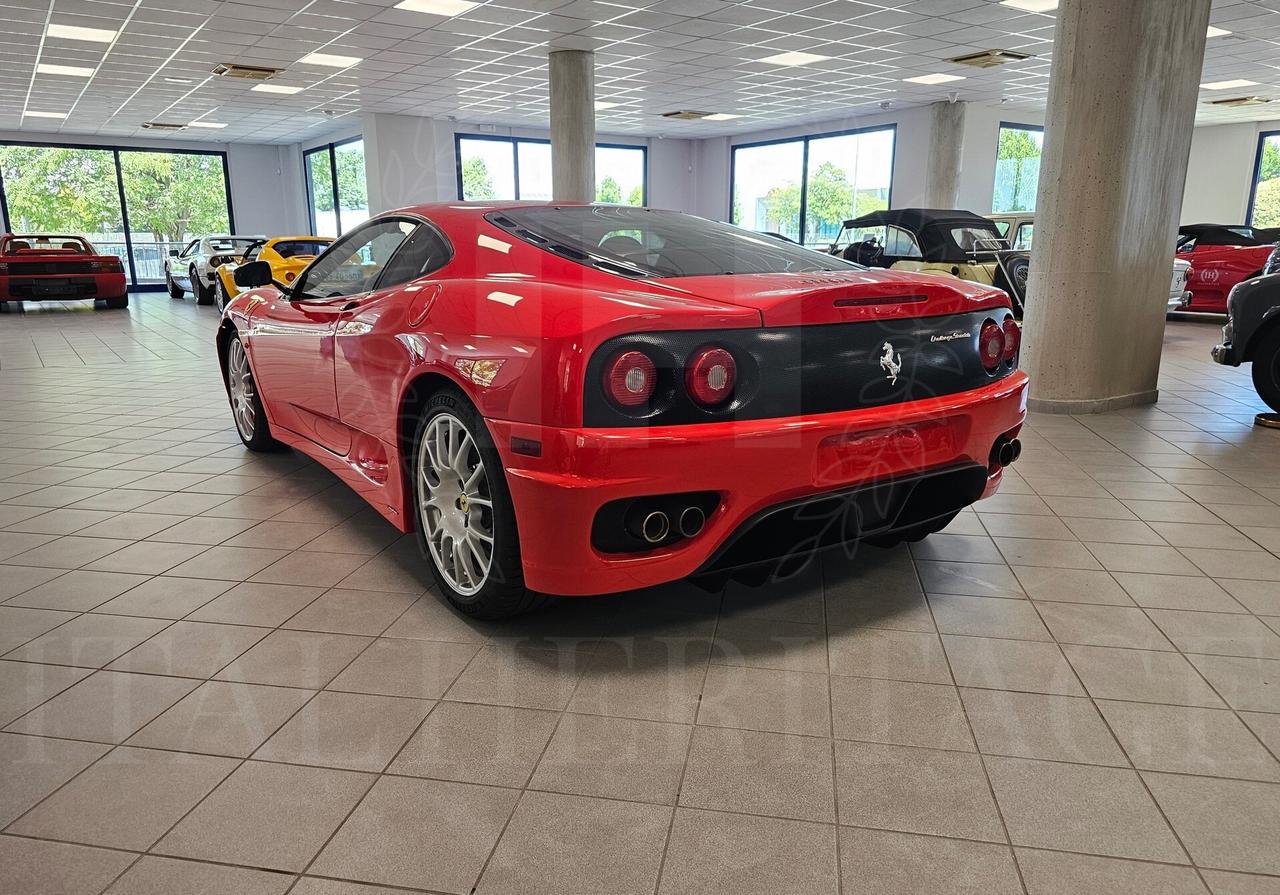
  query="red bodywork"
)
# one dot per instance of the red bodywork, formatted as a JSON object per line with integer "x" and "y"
{"x": 53, "y": 268}
{"x": 1215, "y": 269}
{"x": 338, "y": 379}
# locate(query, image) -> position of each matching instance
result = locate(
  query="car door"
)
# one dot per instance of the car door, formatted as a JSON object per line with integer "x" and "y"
{"x": 369, "y": 354}
{"x": 178, "y": 265}
{"x": 291, "y": 337}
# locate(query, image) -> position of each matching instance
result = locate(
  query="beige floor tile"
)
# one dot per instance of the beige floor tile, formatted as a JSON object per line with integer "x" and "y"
{"x": 164, "y": 597}
{"x": 33, "y": 767}
{"x": 430, "y": 618}
{"x": 146, "y": 558}
{"x": 24, "y": 685}
{"x": 271, "y": 816}
{"x": 1003, "y": 525}
{"x": 222, "y": 718}
{"x": 89, "y": 640}
{"x": 106, "y": 707}
{"x": 659, "y": 683}
{"x": 1051, "y": 554}
{"x": 1247, "y": 684}
{"x": 229, "y": 564}
{"x": 969, "y": 579}
{"x": 32, "y": 867}
{"x": 882, "y": 862}
{"x": 709, "y": 851}
{"x": 19, "y": 625}
{"x": 1225, "y": 882}
{"x": 1254, "y": 565}
{"x": 190, "y": 649}
{"x": 1186, "y": 740}
{"x": 553, "y": 844}
{"x": 915, "y": 791}
{"x": 446, "y": 746}
{"x": 1141, "y": 558}
{"x": 765, "y": 699}
{"x": 616, "y": 758}
{"x": 1035, "y": 725}
{"x": 266, "y": 605}
{"x": 311, "y": 569}
{"x": 1010, "y": 665}
{"x": 1218, "y": 634}
{"x": 295, "y": 659}
{"x": 1102, "y": 811}
{"x": 346, "y": 730}
{"x": 128, "y": 799}
{"x": 760, "y": 773}
{"x": 416, "y": 668}
{"x": 957, "y": 548}
{"x": 310, "y": 885}
{"x": 1226, "y": 824}
{"x": 202, "y": 530}
{"x": 1262, "y": 597}
{"x": 1140, "y": 675}
{"x": 793, "y": 601}
{"x": 987, "y": 617}
{"x": 1115, "y": 531}
{"x": 1071, "y": 586}
{"x": 889, "y": 654}
{"x": 70, "y": 552}
{"x": 77, "y": 591}
{"x": 1056, "y": 873}
{"x": 60, "y": 522}
{"x": 899, "y": 713}
{"x": 1266, "y": 727}
{"x": 520, "y": 676}
{"x": 771, "y": 643}
{"x": 19, "y": 579}
{"x": 1177, "y": 592}
{"x": 351, "y": 612}
{"x": 277, "y": 535}
{"x": 161, "y": 876}
{"x": 1103, "y": 626}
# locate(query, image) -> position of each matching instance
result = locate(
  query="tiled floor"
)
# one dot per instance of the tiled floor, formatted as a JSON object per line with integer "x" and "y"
{"x": 221, "y": 674}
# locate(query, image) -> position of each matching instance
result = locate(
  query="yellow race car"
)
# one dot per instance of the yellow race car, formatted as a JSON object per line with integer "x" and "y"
{"x": 287, "y": 255}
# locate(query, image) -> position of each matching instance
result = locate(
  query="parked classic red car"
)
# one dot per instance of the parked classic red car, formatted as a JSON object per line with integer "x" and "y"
{"x": 578, "y": 399}
{"x": 1221, "y": 256}
{"x": 43, "y": 267}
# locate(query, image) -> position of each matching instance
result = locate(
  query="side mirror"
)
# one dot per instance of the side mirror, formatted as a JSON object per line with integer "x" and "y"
{"x": 173, "y": 253}
{"x": 253, "y": 274}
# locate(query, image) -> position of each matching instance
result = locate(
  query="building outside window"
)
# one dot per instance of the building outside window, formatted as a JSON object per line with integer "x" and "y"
{"x": 520, "y": 168}
{"x": 1017, "y": 168}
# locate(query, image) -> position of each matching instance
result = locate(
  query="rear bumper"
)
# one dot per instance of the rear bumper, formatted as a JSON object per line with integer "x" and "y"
{"x": 1178, "y": 301}
{"x": 751, "y": 465}
{"x": 19, "y": 287}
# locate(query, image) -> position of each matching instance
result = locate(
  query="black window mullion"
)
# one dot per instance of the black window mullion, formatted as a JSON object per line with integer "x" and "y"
{"x": 804, "y": 187}
{"x": 333, "y": 178}
{"x": 124, "y": 220}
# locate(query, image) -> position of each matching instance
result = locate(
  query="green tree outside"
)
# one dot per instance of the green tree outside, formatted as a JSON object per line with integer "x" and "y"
{"x": 62, "y": 189}
{"x": 477, "y": 184}
{"x": 636, "y": 196}
{"x": 1015, "y": 149}
{"x": 1266, "y": 204}
{"x": 609, "y": 192}
{"x": 173, "y": 195}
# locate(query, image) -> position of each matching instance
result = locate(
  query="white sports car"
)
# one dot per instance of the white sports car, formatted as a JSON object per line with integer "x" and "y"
{"x": 191, "y": 269}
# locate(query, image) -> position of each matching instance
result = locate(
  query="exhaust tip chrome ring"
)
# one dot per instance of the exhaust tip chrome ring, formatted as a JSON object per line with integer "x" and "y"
{"x": 692, "y": 519}
{"x": 655, "y": 526}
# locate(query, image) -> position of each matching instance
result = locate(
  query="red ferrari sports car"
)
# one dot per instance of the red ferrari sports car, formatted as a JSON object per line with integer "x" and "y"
{"x": 579, "y": 399}
{"x": 1221, "y": 257}
{"x": 52, "y": 268}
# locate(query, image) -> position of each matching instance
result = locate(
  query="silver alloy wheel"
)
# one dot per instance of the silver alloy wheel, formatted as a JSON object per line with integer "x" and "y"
{"x": 455, "y": 508}
{"x": 240, "y": 386}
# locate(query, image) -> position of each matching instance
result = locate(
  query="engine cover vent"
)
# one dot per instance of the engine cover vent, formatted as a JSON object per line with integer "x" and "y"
{"x": 990, "y": 58}
{"x": 248, "y": 72}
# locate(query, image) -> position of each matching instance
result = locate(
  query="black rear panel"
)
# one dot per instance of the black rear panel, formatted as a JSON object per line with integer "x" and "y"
{"x": 793, "y": 370}
{"x": 44, "y": 268}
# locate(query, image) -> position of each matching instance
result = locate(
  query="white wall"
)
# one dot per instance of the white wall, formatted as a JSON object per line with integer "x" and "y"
{"x": 267, "y": 194}
{"x": 1220, "y": 173}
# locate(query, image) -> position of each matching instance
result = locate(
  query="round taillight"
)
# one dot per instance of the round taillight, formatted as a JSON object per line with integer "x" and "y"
{"x": 289, "y": 276}
{"x": 711, "y": 376}
{"x": 630, "y": 378}
{"x": 1012, "y": 339}
{"x": 991, "y": 344}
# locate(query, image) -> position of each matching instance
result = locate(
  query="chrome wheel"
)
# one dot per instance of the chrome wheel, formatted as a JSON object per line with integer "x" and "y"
{"x": 455, "y": 506}
{"x": 240, "y": 387}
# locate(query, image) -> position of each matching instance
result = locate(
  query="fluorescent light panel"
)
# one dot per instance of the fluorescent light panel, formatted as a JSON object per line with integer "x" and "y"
{"x": 330, "y": 59}
{"x": 438, "y": 7}
{"x": 31, "y": 114}
{"x": 721, "y": 116}
{"x": 180, "y": 80}
{"x": 1031, "y": 5}
{"x": 276, "y": 88}
{"x": 604, "y": 104}
{"x": 71, "y": 71}
{"x": 933, "y": 79}
{"x": 76, "y": 32}
{"x": 794, "y": 58}
{"x": 1228, "y": 85}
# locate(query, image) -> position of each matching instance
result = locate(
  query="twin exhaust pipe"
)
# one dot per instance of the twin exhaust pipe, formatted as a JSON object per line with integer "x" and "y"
{"x": 1006, "y": 451}
{"x": 655, "y": 526}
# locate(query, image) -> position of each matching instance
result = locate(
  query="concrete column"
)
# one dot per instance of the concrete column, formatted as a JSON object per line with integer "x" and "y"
{"x": 573, "y": 125}
{"x": 1122, "y": 100}
{"x": 946, "y": 146}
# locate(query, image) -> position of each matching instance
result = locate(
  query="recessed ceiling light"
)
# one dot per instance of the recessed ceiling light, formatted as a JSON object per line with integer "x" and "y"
{"x": 179, "y": 80}
{"x": 208, "y": 124}
{"x": 1032, "y": 5}
{"x": 1228, "y": 85}
{"x": 721, "y": 116}
{"x": 438, "y": 7}
{"x": 329, "y": 59}
{"x": 794, "y": 58}
{"x": 603, "y": 104}
{"x": 31, "y": 114}
{"x": 1215, "y": 31}
{"x": 73, "y": 71}
{"x": 75, "y": 32}
{"x": 933, "y": 79}
{"x": 275, "y": 88}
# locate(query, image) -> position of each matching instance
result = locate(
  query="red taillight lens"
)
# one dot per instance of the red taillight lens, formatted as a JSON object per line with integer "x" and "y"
{"x": 991, "y": 344}
{"x": 1012, "y": 339}
{"x": 289, "y": 276}
{"x": 710, "y": 376}
{"x": 111, "y": 265}
{"x": 631, "y": 378}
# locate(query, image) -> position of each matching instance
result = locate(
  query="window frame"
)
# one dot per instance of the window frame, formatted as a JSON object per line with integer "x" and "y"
{"x": 805, "y": 140}
{"x": 515, "y": 142}
{"x": 115, "y": 149}
{"x": 299, "y": 286}
{"x": 330, "y": 148}
{"x": 1014, "y": 126}
{"x": 1257, "y": 170}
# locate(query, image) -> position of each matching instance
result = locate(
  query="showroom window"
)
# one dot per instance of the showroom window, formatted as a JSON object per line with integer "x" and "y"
{"x": 136, "y": 204}
{"x": 1017, "y": 168}
{"x": 1264, "y": 201}
{"x": 337, "y": 195}
{"x": 805, "y": 189}
{"x": 520, "y": 168}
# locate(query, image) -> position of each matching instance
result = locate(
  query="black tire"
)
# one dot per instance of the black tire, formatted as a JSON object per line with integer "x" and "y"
{"x": 503, "y": 593}
{"x": 258, "y": 437}
{"x": 220, "y": 297}
{"x": 174, "y": 290}
{"x": 1266, "y": 368}
{"x": 120, "y": 301}
{"x": 203, "y": 294}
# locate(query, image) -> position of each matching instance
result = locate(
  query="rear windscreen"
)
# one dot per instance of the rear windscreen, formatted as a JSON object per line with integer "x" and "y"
{"x": 646, "y": 242}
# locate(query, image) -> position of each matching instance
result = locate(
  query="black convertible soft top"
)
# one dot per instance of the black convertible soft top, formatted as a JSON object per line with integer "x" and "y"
{"x": 932, "y": 228}
{"x": 1227, "y": 234}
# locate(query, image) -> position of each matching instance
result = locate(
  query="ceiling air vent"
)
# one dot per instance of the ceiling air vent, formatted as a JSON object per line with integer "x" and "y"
{"x": 248, "y": 72}
{"x": 1240, "y": 101}
{"x": 162, "y": 126}
{"x": 687, "y": 115}
{"x": 990, "y": 58}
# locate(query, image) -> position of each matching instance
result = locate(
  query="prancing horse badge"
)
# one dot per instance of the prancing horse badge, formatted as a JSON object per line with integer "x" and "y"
{"x": 890, "y": 362}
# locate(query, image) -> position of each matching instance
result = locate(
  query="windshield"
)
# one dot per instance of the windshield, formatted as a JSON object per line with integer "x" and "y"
{"x": 644, "y": 242}
{"x": 295, "y": 247}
